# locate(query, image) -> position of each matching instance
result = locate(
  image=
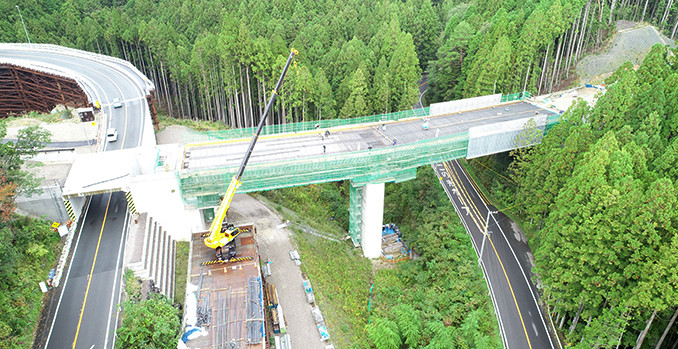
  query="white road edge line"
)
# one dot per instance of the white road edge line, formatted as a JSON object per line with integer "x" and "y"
{"x": 70, "y": 264}
{"x": 115, "y": 279}
{"x": 503, "y": 234}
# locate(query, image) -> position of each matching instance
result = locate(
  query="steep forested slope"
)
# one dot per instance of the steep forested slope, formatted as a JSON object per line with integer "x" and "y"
{"x": 509, "y": 46}
{"x": 598, "y": 199}
{"x": 217, "y": 60}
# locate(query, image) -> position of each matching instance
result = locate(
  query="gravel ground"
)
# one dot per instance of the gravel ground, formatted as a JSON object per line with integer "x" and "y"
{"x": 274, "y": 244}
{"x": 631, "y": 43}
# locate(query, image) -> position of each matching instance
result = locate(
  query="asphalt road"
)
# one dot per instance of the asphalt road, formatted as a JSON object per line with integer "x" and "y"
{"x": 505, "y": 262}
{"x": 85, "y": 315}
{"x": 109, "y": 83}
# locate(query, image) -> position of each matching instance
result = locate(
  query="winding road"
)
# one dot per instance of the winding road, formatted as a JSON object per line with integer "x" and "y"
{"x": 505, "y": 261}
{"x": 83, "y": 313}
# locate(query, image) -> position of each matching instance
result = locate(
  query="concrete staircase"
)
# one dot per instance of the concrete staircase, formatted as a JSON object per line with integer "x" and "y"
{"x": 150, "y": 253}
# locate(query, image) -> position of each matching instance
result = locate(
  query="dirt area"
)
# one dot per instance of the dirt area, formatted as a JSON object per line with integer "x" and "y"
{"x": 69, "y": 130}
{"x": 631, "y": 43}
{"x": 172, "y": 134}
{"x": 274, "y": 245}
{"x": 560, "y": 101}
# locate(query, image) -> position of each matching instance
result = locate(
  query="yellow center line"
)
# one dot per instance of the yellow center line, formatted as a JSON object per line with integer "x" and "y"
{"x": 512, "y": 294}
{"x": 474, "y": 184}
{"x": 462, "y": 191}
{"x": 91, "y": 272}
{"x": 470, "y": 205}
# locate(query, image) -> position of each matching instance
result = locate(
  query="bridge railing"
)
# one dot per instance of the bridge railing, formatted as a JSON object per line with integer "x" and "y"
{"x": 131, "y": 71}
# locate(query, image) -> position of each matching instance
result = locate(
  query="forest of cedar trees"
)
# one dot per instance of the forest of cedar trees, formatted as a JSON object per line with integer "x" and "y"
{"x": 597, "y": 197}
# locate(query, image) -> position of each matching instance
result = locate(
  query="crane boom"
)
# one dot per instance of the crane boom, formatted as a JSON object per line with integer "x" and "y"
{"x": 219, "y": 236}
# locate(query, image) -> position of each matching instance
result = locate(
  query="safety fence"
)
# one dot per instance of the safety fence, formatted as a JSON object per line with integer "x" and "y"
{"x": 320, "y": 125}
{"x": 515, "y": 97}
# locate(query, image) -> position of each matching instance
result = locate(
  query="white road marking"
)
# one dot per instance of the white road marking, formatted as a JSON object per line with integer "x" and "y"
{"x": 70, "y": 264}
{"x": 115, "y": 281}
{"x": 503, "y": 234}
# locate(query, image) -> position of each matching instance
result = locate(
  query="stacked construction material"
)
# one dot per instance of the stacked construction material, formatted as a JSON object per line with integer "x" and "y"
{"x": 320, "y": 322}
{"x": 393, "y": 248}
{"x": 308, "y": 290}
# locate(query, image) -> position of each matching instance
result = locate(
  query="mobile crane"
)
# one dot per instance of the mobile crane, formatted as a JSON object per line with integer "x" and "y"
{"x": 221, "y": 235}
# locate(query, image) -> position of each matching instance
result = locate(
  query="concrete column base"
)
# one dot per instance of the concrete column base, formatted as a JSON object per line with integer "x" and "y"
{"x": 372, "y": 219}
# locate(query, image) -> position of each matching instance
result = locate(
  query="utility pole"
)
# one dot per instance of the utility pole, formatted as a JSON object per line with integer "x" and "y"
{"x": 22, "y": 22}
{"x": 485, "y": 235}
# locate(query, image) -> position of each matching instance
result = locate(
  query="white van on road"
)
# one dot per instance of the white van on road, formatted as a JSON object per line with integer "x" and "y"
{"x": 112, "y": 135}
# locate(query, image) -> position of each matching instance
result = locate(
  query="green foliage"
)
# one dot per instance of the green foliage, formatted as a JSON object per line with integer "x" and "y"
{"x": 218, "y": 60}
{"x": 441, "y": 297}
{"x": 197, "y": 125}
{"x": 28, "y": 249}
{"x": 132, "y": 285}
{"x": 384, "y": 334}
{"x": 150, "y": 323}
{"x": 14, "y": 153}
{"x": 341, "y": 287}
{"x": 356, "y": 103}
{"x": 597, "y": 197}
{"x": 181, "y": 269}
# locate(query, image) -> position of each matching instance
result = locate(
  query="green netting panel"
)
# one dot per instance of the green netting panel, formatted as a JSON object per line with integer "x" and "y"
{"x": 303, "y": 126}
{"x": 515, "y": 96}
{"x": 396, "y": 176}
{"x": 369, "y": 166}
{"x": 551, "y": 121}
{"x": 355, "y": 212}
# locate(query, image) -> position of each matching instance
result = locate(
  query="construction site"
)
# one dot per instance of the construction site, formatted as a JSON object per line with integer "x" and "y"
{"x": 229, "y": 296}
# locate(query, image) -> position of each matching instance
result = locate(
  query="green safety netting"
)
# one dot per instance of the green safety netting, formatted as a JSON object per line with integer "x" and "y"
{"x": 355, "y": 213}
{"x": 391, "y": 164}
{"x": 551, "y": 121}
{"x": 303, "y": 126}
{"x": 203, "y": 188}
{"x": 515, "y": 97}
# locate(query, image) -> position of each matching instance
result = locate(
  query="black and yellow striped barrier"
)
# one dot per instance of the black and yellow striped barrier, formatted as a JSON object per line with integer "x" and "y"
{"x": 232, "y": 260}
{"x": 69, "y": 208}
{"x": 130, "y": 202}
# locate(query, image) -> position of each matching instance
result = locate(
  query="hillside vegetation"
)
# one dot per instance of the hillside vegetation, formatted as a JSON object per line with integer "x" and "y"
{"x": 437, "y": 301}
{"x": 598, "y": 199}
{"x": 218, "y": 60}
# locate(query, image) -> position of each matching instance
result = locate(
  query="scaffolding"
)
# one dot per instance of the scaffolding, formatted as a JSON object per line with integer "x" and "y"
{"x": 23, "y": 89}
{"x": 355, "y": 214}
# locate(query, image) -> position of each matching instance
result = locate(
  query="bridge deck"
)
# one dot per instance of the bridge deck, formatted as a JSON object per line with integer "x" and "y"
{"x": 301, "y": 145}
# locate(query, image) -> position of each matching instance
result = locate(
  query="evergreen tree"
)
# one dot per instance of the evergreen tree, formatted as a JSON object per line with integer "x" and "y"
{"x": 356, "y": 104}
{"x": 405, "y": 72}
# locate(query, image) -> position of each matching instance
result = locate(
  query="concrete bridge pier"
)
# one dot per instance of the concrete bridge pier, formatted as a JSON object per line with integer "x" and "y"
{"x": 367, "y": 217}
